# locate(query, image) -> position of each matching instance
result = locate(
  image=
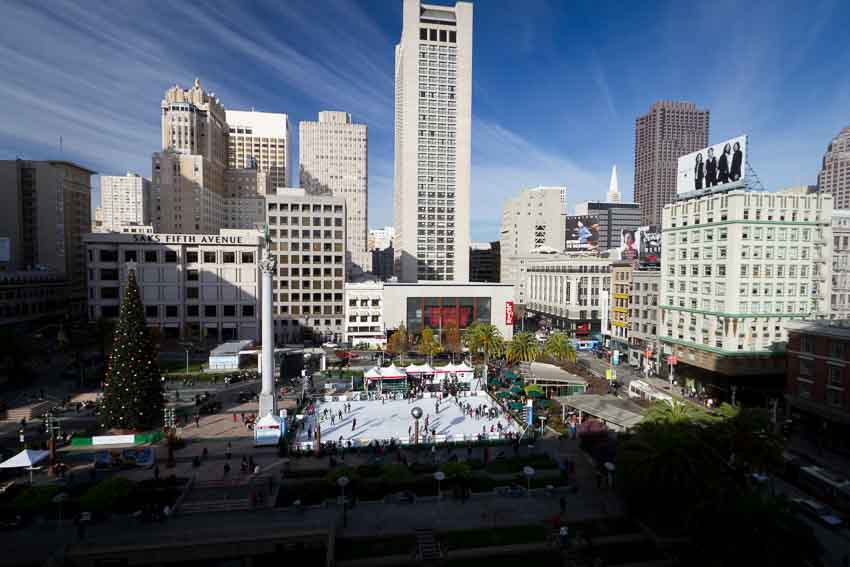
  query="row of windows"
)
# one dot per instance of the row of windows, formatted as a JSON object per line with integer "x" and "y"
{"x": 443, "y": 36}
{"x": 305, "y": 207}
{"x": 171, "y": 257}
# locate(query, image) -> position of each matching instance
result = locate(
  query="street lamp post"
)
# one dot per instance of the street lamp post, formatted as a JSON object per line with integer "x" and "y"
{"x": 529, "y": 473}
{"x": 342, "y": 482}
{"x": 439, "y": 476}
{"x": 542, "y": 419}
{"x": 416, "y": 413}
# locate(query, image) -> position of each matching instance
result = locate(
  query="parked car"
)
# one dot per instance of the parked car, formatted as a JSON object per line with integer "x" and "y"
{"x": 817, "y": 511}
{"x": 330, "y": 345}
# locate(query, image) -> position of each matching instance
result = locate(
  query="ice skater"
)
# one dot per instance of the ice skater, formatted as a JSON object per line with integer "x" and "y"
{"x": 353, "y": 424}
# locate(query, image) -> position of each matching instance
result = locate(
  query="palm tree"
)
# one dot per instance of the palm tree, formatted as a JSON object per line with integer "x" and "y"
{"x": 485, "y": 339}
{"x": 560, "y": 347}
{"x": 674, "y": 412}
{"x": 523, "y": 347}
{"x": 428, "y": 344}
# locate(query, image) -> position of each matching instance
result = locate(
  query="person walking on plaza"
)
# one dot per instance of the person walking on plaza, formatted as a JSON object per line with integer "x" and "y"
{"x": 353, "y": 424}
{"x": 227, "y": 451}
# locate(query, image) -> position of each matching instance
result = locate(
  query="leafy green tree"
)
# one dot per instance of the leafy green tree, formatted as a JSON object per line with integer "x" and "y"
{"x": 560, "y": 347}
{"x": 398, "y": 343}
{"x": 132, "y": 390}
{"x": 451, "y": 339}
{"x": 428, "y": 344}
{"x": 524, "y": 347}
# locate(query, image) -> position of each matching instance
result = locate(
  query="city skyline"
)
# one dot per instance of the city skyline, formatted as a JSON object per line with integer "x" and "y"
{"x": 568, "y": 133}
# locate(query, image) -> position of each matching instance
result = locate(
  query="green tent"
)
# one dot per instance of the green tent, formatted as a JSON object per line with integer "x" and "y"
{"x": 516, "y": 406}
{"x": 503, "y": 395}
{"x": 516, "y": 390}
{"x": 510, "y": 374}
{"x": 534, "y": 388}
{"x": 535, "y": 394}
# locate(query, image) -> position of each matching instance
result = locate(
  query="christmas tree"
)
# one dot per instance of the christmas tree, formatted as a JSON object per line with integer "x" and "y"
{"x": 132, "y": 389}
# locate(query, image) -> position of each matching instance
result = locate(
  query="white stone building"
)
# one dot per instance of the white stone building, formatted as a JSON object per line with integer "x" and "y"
{"x": 307, "y": 235}
{"x": 260, "y": 140}
{"x": 381, "y": 238}
{"x": 203, "y": 285}
{"x": 433, "y": 119}
{"x": 364, "y": 308}
{"x": 124, "y": 200}
{"x": 840, "y": 264}
{"x": 333, "y": 157}
{"x": 736, "y": 267}
{"x": 568, "y": 289}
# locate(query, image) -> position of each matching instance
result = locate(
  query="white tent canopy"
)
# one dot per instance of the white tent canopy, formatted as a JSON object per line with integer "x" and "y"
{"x": 463, "y": 367}
{"x": 373, "y": 374}
{"x": 392, "y": 371}
{"x": 25, "y": 459}
{"x": 413, "y": 369}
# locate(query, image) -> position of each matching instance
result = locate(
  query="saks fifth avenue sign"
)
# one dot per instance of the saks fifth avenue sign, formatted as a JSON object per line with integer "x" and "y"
{"x": 189, "y": 239}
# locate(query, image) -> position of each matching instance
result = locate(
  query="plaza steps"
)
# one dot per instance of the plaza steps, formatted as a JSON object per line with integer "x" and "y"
{"x": 215, "y": 506}
{"x": 29, "y": 412}
{"x": 427, "y": 547}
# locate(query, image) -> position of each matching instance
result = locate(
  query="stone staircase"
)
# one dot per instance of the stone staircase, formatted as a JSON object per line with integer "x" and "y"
{"x": 30, "y": 411}
{"x": 427, "y": 547}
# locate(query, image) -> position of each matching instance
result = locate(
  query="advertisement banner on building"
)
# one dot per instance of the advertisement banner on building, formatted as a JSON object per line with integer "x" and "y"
{"x": 716, "y": 168}
{"x": 629, "y": 244}
{"x": 649, "y": 245}
{"x": 582, "y": 233}
{"x": 509, "y": 313}
{"x": 582, "y": 328}
{"x": 529, "y": 415}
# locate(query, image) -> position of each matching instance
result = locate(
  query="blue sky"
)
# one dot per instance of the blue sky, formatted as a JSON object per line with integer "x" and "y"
{"x": 557, "y": 85}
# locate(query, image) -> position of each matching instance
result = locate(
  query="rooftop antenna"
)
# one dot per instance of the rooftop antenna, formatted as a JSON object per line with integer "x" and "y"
{"x": 60, "y": 144}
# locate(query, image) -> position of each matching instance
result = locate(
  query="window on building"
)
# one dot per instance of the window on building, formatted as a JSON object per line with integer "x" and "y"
{"x": 192, "y": 257}
{"x": 192, "y": 310}
{"x": 131, "y": 256}
{"x": 228, "y": 257}
{"x": 247, "y": 257}
{"x": 150, "y": 256}
{"x": 210, "y": 310}
{"x": 807, "y": 344}
{"x": 151, "y": 311}
{"x": 209, "y": 257}
{"x": 229, "y": 310}
{"x": 192, "y": 275}
{"x": 247, "y": 310}
{"x": 172, "y": 311}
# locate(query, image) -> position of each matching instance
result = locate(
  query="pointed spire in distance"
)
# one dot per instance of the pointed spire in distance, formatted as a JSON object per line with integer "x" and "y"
{"x": 613, "y": 187}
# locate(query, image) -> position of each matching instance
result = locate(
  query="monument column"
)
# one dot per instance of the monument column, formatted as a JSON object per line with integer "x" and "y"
{"x": 268, "y": 400}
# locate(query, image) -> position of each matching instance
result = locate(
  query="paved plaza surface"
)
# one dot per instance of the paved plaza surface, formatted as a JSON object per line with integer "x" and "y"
{"x": 391, "y": 419}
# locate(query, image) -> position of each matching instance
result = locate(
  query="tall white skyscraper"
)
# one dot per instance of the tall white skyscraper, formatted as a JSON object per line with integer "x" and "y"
{"x": 260, "y": 140}
{"x": 124, "y": 200}
{"x": 333, "y": 157}
{"x": 433, "y": 111}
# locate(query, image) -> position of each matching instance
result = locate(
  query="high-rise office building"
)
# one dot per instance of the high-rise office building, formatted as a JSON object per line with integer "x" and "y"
{"x": 245, "y": 193}
{"x": 380, "y": 238}
{"x": 834, "y": 176}
{"x": 333, "y": 158}
{"x": 124, "y": 200}
{"x": 46, "y": 211}
{"x": 668, "y": 131}
{"x": 484, "y": 260}
{"x": 308, "y": 240}
{"x": 188, "y": 174}
{"x": 533, "y": 222}
{"x": 433, "y": 116}
{"x": 260, "y": 140}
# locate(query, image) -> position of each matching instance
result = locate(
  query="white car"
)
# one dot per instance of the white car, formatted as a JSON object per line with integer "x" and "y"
{"x": 817, "y": 511}
{"x": 330, "y": 345}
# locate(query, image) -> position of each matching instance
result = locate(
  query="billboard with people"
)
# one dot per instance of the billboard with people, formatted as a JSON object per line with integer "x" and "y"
{"x": 582, "y": 233}
{"x": 629, "y": 244}
{"x": 716, "y": 168}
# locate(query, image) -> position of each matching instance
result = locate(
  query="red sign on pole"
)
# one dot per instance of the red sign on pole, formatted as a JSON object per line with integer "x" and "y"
{"x": 672, "y": 360}
{"x": 509, "y": 313}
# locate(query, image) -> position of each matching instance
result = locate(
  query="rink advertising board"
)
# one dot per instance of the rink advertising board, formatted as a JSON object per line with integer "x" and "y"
{"x": 716, "y": 168}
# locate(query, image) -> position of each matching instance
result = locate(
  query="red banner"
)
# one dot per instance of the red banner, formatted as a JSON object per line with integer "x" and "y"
{"x": 509, "y": 313}
{"x": 438, "y": 317}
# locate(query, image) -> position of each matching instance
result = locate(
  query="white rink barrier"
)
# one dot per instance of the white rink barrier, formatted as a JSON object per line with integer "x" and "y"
{"x": 423, "y": 440}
